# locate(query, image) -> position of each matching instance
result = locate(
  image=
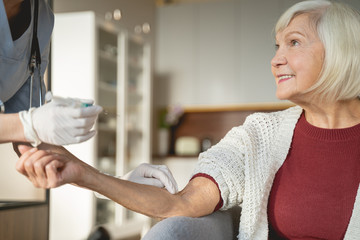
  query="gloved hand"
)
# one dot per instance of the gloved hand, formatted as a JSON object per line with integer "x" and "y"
{"x": 62, "y": 121}
{"x": 154, "y": 175}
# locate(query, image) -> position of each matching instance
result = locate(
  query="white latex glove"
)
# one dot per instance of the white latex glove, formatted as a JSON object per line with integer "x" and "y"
{"x": 62, "y": 121}
{"x": 154, "y": 175}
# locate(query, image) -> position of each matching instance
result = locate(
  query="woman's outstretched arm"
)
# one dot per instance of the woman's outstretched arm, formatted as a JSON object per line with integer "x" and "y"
{"x": 47, "y": 169}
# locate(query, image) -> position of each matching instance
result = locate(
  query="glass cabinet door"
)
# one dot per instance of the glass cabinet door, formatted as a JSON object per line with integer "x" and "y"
{"x": 135, "y": 117}
{"x": 135, "y": 109}
{"x": 107, "y": 124}
{"x": 124, "y": 127}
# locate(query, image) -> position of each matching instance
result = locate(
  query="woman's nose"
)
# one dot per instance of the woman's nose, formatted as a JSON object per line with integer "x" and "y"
{"x": 278, "y": 60}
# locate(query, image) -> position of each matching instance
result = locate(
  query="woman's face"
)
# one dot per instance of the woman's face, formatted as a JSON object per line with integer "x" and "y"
{"x": 298, "y": 60}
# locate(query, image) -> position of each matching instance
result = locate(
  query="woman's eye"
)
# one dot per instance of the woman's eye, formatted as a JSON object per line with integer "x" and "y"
{"x": 276, "y": 47}
{"x": 294, "y": 43}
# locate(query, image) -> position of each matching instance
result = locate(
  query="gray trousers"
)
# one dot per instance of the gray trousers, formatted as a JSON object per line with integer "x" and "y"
{"x": 221, "y": 225}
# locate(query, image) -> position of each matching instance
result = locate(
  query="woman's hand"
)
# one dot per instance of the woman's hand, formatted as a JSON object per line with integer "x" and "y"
{"x": 48, "y": 169}
{"x": 50, "y": 166}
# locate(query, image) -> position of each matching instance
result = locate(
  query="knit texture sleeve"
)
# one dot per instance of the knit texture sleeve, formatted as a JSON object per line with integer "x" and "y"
{"x": 224, "y": 163}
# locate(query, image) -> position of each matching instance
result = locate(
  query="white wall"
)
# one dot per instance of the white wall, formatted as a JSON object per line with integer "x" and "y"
{"x": 13, "y": 185}
{"x": 217, "y": 52}
{"x": 214, "y": 53}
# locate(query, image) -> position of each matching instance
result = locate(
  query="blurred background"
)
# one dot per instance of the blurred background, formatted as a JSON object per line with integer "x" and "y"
{"x": 173, "y": 77}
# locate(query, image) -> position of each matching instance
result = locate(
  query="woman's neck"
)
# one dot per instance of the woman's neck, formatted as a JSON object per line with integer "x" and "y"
{"x": 341, "y": 114}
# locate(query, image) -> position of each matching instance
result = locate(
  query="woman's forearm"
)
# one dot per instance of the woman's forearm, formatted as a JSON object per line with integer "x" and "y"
{"x": 199, "y": 198}
{"x": 54, "y": 166}
{"x": 148, "y": 200}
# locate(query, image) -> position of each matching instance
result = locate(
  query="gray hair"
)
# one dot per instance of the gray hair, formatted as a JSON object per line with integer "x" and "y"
{"x": 338, "y": 27}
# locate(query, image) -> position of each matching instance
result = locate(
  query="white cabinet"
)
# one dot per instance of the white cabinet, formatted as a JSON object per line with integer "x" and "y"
{"x": 96, "y": 59}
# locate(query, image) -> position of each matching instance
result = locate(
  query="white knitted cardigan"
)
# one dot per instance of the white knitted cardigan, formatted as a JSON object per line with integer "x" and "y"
{"x": 244, "y": 164}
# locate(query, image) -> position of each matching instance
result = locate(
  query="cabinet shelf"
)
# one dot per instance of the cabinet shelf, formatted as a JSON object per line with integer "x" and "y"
{"x": 135, "y": 132}
{"x": 134, "y": 98}
{"x": 106, "y": 56}
{"x": 107, "y": 87}
{"x": 135, "y": 66}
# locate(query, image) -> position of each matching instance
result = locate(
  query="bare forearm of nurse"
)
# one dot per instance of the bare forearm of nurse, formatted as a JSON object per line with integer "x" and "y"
{"x": 11, "y": 129}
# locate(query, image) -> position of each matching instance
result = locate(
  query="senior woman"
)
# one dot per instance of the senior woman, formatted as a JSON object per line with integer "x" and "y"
{"x": 295, "y": 173}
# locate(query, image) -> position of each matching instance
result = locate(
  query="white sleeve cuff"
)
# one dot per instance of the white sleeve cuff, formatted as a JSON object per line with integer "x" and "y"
{"x": 29, "y": 131}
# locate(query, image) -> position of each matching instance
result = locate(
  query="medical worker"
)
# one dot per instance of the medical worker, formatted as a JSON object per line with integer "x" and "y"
{"x": 25, "y": 31}
{"x": 55, "y": 123}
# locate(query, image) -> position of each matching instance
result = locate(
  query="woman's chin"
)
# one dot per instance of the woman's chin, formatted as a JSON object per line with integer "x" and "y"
{"x": 281, "y": 96}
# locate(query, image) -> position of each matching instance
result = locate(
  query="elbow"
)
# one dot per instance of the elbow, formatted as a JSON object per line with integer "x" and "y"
{"x": 179, "y": 206}
{"x": 175, "y": 206}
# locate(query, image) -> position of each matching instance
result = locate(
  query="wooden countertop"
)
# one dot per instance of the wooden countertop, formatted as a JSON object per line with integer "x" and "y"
{"x": 266, "y": 106}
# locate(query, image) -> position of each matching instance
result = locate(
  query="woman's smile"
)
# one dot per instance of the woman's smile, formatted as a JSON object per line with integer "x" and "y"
{"x": 284, "y": 77}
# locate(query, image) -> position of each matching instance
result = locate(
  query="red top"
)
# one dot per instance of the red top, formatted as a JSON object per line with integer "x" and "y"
{"x": 314, "y": 191}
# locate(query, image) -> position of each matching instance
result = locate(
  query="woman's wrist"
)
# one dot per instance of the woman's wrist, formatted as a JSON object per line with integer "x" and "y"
{"x": 90, "y": 178}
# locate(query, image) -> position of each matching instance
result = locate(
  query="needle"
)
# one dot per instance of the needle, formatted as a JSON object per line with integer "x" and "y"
{"x": 107, "y": 113}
